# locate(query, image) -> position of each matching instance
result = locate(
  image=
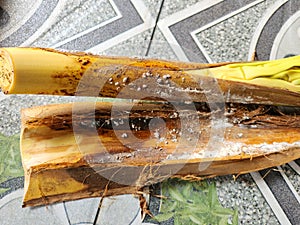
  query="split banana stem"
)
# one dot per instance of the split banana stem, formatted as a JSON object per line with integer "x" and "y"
{"x": 47, "y": 71}
{"x": 52, "y": 72}
{"x": 61, "y": 165}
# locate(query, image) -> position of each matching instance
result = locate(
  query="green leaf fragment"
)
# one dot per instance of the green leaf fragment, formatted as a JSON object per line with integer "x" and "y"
{"x": 212, "y": 196}
{"x": 235, "y": 219}
{"x": 163, "y": 217}
{"x": 10, "y": 157}
{"x": 187, "y": 189}
{"x": 194, "y": 203}
{"x": 175, "y": 194}
{"x": 2, "y": 190}
{"x": 223, "y": 221}
{"x": 195, "y": 219}
{"x": 220, "y": 211}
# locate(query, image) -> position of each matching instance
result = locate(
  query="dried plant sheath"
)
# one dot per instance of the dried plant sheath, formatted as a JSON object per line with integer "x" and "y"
{"x": 78, "y": 151}
{"x": 47, "y": 71}
{"x": 63, "y": 160}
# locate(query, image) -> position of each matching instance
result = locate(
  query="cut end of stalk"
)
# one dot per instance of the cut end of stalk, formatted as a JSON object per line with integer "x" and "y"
{"x": 6, "y": 72}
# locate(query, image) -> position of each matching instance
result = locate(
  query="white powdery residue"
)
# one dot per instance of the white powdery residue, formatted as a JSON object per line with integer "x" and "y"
{"x": 124, "y": 135}
{"x": 162, "y": 139}
{"x": 189, "y": 90}
{"x": 174, "y": 115}
{"x": 147, "y": 74}
{"x": 236, "y": 149}
{"x": 246, "y": 100}
{"x": 159, "y": 80}
{"x": 274, "y": 147}
{"x": 167, "y": 76}
{"x": 240, "y": 135}
{"x": 232, "y": 148}
{"x": 156, "y": 134}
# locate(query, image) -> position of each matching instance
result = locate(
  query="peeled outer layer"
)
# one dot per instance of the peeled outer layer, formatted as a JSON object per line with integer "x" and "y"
{"x": 52, "y": 72}
{"x": 64, "y": 160}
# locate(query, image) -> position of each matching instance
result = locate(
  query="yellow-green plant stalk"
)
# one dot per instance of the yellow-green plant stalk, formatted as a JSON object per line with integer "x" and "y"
{"x": 48, "y": 71}
{"x": 282, "y": 73}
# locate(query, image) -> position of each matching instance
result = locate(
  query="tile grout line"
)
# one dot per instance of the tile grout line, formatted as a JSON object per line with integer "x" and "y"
{"x": 155, "y": 27}
{"x": 46, "y": 25}
{"x": 148, "y": 22}
{"x": 165, "y": 24}
{"x": 295, "y": 167}
{"x": 102, "y": 24}
{"x": 282, "y": 192}
{"x": 67, "y": 214}
{"x": 215, "y": 22}
{"x": 227, "y": 16}
{"x": 293, "y": 190}
{"x": 270, "y": 198}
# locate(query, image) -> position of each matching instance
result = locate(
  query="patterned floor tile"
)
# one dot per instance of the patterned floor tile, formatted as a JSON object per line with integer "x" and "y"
{"x": 12, "y": 213}
{"x": 229, "y": 39}
{"x": 130, "y": 19}
{"x": 81, "y": 211}
{"x": 270, "y": 26}
{"x": 28, "y": 27}
{"x": 89, "y": 15}
{"x": 127, "y": 207}
{"x": 15, "y": 14}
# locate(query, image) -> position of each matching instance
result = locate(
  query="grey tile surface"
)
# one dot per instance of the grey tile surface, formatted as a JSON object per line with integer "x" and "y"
{"x": 283, "y": 194}
{"x": 292, "y": 176}
{"x": 130, "y": 18}
{"x": 83, "y": 14}
{"x": 82, "y": 210}
{"x": 12, "y": 213}
{"x": 173, "y": 6}
{"x": 153, "y": 6}
{"x": 135, "y": 46}
{"x": 273, "y": 26}
{"x": 182, "y": 29}
{"x": 119, "y": 210}
{"x": 245, "y": 195}
{"x": 230, "y": 39}
{"x": 17, "y": 11}
{"x": 161, "y": 48}
{"x": 28, "y": 28}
